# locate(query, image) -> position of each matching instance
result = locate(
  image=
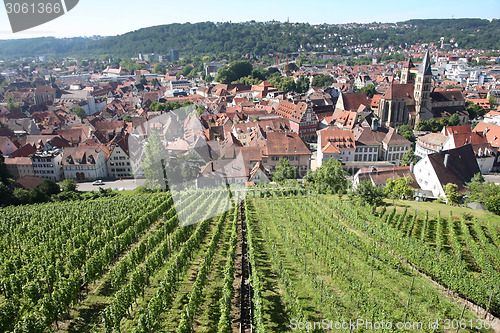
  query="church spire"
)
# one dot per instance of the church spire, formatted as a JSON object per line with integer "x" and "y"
{"x": 425, "y": 68}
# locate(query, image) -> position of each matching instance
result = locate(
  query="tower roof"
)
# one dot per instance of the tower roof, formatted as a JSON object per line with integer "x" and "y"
{"x": 425, "y": 67}
{"x": 408, "y": 64}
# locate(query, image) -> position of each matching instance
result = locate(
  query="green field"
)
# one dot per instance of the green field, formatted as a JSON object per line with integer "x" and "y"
{"x": 338, "y": 261}
{"x": 125, "y": 264}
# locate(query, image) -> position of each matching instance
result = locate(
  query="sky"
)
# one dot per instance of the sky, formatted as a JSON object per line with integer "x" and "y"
{"x": 114, "y": 17}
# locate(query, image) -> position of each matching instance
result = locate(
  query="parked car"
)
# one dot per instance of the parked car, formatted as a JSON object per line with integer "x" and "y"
{"x": 98, "y": 183}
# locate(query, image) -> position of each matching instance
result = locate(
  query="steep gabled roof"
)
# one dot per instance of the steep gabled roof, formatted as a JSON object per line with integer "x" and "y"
{"x": 425, "y": 67}
{"x": 352, "y": 101}
{"x": 393, "y": 138}
{"x": 24, "y": 151}
{"x": 399, "y": 91}
{"x": 460, "y": 168}
{"x": 409, "y": 64}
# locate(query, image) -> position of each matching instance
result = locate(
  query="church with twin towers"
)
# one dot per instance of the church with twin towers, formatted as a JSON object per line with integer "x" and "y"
{"x": 414, "y": 98}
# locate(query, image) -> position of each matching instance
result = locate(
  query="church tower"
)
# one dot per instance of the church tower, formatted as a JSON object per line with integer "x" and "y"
{"x": 422, "y": 92}
{"x": 406, "y": 75}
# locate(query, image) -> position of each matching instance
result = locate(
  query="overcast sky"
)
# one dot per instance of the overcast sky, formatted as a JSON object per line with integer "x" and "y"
{"x": 113, "y": 17}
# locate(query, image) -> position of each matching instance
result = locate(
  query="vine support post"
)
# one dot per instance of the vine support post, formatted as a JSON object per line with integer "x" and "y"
{"x": 461, "y": 316}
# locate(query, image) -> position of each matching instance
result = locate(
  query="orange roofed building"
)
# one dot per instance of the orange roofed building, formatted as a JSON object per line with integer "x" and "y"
{"x": 303, "y": 120}
{"x": 337, "y": 144}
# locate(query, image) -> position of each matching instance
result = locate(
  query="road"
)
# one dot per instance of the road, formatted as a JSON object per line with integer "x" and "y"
{"x": 495, "y": 178}
{"x": 125, "y": 184}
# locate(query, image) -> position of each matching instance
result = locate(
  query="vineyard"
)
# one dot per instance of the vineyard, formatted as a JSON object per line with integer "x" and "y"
{"x": 342, "y": 261}
{"x": 118, "y": 264}
{"x": 126, "y": 264}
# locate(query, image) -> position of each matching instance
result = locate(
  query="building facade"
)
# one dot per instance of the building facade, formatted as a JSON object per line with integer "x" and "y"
{"x": 48, "y": 164}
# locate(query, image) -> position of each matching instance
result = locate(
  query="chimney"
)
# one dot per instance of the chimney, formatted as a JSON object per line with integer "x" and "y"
{"x": 412, "y": 167}
{"x": 446, "y": 158}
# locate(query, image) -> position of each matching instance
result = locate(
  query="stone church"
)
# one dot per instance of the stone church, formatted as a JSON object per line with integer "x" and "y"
{"x": 413, "y": 99}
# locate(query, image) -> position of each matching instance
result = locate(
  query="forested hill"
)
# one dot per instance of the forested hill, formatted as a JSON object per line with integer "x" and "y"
{"x": 264, "y": 38}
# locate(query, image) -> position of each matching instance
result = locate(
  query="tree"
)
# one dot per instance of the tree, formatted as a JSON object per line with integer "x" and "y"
{"x": 329, "y": 178}
{"x": 22, "y": 196}
{"x": 302, "y": 85}
{"x": 322, "y": 80}
{"x": 431, "y": 125}
{"x": 284, "y": 171}
{"x": 208, "y": 78}
{"x": 49, "y": 187}
{"x": 409, "y": 158}
{"x": 293, "y": 67}
{"x": 454, "y": 120}
{"x": 406, "y": 131}
{"x": 371, "y": 194}
{"x": 474, "y": 110}
{"x": 399, "y": 188}
{"x": 287, "y": 84}
{"x": 158, "y": 69}
{"x": 483, "y": 192}
{"x": 369, "y": 90}
{"x": 6, "y": 197}
{"x": 4, "y": 173}
{"x": 186, "y": 70}
{"x": 451, "y": 192}
{"x": 235, "y": 71}
{"x": 183, "y": 168}
{"x": 493, "y": 102}
{"x": 154, "y": 163}
{"x": 493, "y": 204}
{"x": 80, "y": 112}
{"x": 68, "y": 185}
{"x": 200, "y": 109}
{"x": 191, "y": 74}
{"x": 259, "y": 73}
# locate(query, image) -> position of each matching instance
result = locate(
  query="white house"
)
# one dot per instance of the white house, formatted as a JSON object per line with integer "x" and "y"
{"x": 118, "y": 163}
{"x": 48, "y": 164}
{"x": 337, "y": 144}
{"x": 456, "y": 166}
{"x": 85, "y": 163}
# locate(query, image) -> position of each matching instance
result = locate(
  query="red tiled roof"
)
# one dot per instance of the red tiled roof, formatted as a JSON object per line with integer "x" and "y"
{"x": 492, "y": 133}
{"x": 399, "y": 91}
{"x": 280, "y": 143}
{"x": 352, "y": 101}
{"x": 291, "y": 111}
